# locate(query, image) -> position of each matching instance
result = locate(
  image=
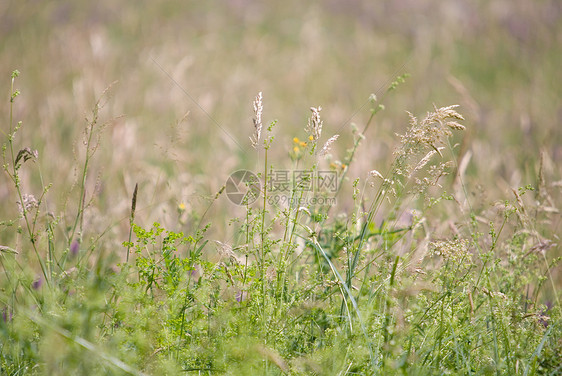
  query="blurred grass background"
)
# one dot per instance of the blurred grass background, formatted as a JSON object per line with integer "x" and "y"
{"x": 499, "y": 60}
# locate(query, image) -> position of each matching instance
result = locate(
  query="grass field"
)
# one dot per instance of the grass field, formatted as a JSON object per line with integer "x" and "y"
{"x": 403, "y": 216}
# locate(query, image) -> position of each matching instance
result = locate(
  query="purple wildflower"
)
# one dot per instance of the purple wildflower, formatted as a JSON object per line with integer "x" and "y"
{"x": 6, "y": 315}
{"x": 37, "y": 283}
{"x": 241, "y": 296}
{"x": 74, "y": 248}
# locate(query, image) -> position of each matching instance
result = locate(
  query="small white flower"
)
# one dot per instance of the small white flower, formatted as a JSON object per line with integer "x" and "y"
{"x": 29, "y": 203}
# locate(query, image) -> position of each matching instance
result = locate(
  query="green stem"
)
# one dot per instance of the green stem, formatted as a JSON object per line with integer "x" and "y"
{"x": 14, "y": 176}
{"x": 81, "y": 205}
{"x": 262, "y": 250}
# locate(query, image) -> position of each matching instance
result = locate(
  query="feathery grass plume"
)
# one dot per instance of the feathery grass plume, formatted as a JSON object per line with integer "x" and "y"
{"x": 132, "y": 218}
{"x": 426, "y": 159}
{"x": 541, "y": 247}
{"x": 25, "y": 154}
{"x": 429, "y": 133}
{"x": 326, "y": 148}
{"x": 134, "y": 202}
{"x": 542, "y": 195}
{"x": 314, "y": 126}
{"x": 225, "y": 250}
{"x": 7, "y": 249}
{"x": 258, "y": 109}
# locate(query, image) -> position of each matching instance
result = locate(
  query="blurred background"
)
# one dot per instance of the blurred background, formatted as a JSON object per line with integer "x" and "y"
{"x": 179, "y": 115}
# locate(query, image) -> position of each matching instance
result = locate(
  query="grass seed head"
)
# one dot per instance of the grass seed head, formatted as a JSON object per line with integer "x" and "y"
{"x": 427, "y": 136}
{"x": 258, "y": 109}
{"x": 314, "y": 127}
{"x": 376, "y": 174}
{"x": 326, "y": 148}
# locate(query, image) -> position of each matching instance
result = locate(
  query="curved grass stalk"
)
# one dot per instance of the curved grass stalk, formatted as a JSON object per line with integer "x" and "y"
{"x": 351, "y": 298}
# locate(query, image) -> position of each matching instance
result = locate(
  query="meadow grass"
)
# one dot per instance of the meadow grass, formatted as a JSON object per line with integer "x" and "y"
{"x": 430, "y": 245}
{"x": 301, "y": 287}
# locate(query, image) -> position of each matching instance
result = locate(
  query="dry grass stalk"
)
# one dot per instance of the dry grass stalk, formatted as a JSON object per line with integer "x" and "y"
{"x": 7, "y": 249}
{"x": 429, "y": 133}
{"x": 258, "y": 109}
{"x": 314, "y": 127}
{"x": 326, "y": 148}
